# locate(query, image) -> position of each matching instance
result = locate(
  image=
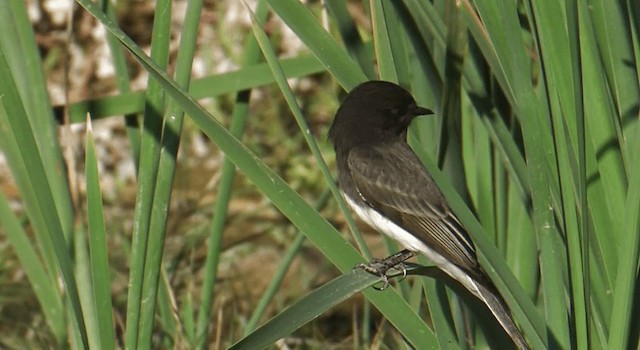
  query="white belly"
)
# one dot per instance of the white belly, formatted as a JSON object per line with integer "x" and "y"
{"x": 409, "y": 241}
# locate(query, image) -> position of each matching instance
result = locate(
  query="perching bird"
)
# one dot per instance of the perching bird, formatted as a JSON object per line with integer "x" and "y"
{"x": 386, "y": 185}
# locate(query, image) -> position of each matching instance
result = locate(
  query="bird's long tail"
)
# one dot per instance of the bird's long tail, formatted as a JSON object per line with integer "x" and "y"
{"x": 498, "y": 308}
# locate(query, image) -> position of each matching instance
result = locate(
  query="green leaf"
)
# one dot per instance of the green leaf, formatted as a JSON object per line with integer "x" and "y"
{"x": 100, "y": 273}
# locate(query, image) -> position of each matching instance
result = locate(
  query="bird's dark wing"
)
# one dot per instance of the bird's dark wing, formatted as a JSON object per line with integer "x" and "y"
{"x": 391, "y": 179}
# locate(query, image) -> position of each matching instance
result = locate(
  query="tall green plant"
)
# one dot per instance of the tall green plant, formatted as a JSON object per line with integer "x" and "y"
{"x": 541, "y": 102}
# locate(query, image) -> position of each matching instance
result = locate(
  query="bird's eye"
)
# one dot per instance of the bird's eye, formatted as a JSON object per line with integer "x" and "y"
{"x": 394, "y": 111}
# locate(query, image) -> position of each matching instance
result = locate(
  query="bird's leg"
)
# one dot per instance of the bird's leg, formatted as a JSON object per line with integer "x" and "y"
{"x": 379, "y": 267}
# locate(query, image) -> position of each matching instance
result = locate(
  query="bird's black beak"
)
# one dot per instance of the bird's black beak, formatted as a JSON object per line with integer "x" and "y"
{"x": 421, "y": 111}
{"x": 415, "y": 111}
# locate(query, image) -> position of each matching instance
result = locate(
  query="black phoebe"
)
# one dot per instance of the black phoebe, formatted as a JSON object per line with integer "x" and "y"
{"x": 385, "y": 183}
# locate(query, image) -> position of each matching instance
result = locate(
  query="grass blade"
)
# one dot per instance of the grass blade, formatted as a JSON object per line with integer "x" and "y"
{"x": 308, "y": 308}
{"x": 142, "y": 285}
{"x": 309, "y": 30}
{"x": 41, "y": 208}
{"x": 46, "y": 292}
{"x": 229, "y": 82}
{"x": 100, "y": 273}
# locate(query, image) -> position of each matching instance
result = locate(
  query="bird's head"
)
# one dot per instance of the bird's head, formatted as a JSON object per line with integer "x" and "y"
{"x": 374, "y": 111}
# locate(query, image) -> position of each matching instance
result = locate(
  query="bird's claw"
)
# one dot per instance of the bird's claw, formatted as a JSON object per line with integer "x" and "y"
{"x": 380, "y": 267}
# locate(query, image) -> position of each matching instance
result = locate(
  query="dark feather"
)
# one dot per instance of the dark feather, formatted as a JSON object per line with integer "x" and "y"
{"x": 391, "y": 179}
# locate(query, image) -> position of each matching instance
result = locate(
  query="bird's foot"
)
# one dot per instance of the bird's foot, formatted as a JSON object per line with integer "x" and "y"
{"x": 380, "y": 267}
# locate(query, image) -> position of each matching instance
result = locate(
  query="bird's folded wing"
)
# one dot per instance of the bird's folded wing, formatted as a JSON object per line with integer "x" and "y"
{"x": 391, "y": 179}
